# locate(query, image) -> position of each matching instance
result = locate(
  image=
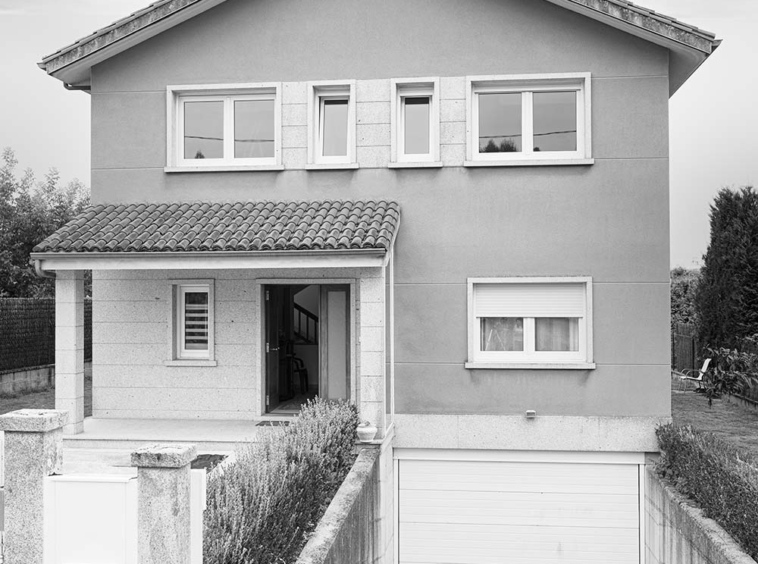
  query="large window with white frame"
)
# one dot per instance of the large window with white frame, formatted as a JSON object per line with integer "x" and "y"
{"x": 524, "y": 322}
{"x": 415, "y": 121}
{"x": 224, "y": 126}
{"x": 331, "y": 123}
{"x": 192, "y": 323}
{"x": 542, "y": 119}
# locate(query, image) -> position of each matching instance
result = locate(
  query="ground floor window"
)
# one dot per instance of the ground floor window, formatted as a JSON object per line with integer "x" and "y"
{"x": 192, "y": 320}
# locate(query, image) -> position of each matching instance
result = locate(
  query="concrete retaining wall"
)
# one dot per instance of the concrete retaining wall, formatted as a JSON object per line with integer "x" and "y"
{"x": 25, "y": 380}
{"x": 349, "y": 530}
{"x": 678, "y": 533}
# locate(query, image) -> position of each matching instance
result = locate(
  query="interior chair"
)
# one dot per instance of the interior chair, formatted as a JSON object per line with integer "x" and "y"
{"x": 300, "y": 373}
{"x": 694, "y": 375}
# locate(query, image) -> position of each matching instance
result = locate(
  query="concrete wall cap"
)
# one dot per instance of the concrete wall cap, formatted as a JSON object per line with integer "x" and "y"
{"x": 33, "y": 420}
{"x": 164, "y": 456}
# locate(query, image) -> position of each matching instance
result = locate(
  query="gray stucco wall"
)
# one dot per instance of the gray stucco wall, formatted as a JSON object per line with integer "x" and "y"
{"x": 609, "y": 220}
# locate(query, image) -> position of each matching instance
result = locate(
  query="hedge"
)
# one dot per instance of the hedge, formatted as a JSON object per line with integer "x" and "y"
{"x": 27, "y": 332}
{"x": 262, "y": 506}
{"x": 720, "y": 478}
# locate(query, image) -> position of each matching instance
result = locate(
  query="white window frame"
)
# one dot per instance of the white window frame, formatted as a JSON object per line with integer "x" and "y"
{"x": 178, "y": 355}
{"x": 529, "y": 358}
{"x": 527, "y": 85}
{"x": 178, "y": 96}
{"x": 318, "y": 93}
{"x": 415, "y": 87}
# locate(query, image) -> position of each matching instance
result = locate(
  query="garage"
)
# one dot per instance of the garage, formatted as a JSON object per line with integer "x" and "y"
{"x": 481, "y": 507}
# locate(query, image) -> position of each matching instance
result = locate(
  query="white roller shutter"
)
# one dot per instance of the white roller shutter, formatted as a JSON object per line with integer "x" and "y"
{"x": 496, "y": 512}
{"x": 529, "y": 300}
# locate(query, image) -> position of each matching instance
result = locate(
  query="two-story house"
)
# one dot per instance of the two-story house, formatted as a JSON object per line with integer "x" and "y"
{"x": 453, "y": 214}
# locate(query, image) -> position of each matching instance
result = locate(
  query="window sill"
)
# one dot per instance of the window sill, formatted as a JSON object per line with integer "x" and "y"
{"x": 332, "y": 166}
{"x": 187, "y": 362}
{"x": 225, "y": 168}
{"x": 530, "y": 365}
{"x": 419, "y": 164}
{"x": 529, "y": 162}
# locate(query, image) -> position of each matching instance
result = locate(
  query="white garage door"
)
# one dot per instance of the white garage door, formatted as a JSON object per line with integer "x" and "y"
{"x": 505, "y": 511}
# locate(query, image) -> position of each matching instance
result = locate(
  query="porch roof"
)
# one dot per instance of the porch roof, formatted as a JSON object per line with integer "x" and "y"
{"x": 229, "y": 230}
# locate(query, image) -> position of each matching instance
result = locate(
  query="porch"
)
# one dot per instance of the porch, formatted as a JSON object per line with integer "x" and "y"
{"x": 193, "y": 331}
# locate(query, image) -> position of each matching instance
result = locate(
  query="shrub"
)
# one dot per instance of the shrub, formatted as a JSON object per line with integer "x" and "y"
{"x": 262, "y": 507}
{"x": 731, "y": 372}
{"x": 720, "y": 478}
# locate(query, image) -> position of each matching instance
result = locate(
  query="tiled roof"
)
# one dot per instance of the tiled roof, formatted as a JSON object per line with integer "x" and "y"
{"x": 244, "y": 226}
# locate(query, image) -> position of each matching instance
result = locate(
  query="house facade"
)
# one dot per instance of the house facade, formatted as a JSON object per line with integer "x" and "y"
{"x": 454, "y": 215}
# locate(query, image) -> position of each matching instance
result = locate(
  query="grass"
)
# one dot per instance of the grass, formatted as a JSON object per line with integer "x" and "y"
{"x": 46, "y": 399}
{"x": 732, "y": 423}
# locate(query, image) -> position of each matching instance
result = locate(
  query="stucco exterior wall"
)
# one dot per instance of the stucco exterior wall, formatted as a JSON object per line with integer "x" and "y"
{"x": 608, "y": 220}
{"x": 132, "y": 335}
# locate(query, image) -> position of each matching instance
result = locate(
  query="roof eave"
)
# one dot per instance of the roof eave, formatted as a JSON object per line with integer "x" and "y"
{"x": 210, "y": 260}
{"x": 72, "y": 64}
{"x": 689, "y": 49}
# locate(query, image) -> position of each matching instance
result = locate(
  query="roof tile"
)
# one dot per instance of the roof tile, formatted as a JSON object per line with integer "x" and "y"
{"x": 241, "y": 226}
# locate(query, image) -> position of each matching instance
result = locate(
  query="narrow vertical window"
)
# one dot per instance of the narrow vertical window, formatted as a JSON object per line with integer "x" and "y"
{"x": 193, "y": 323}
{"x": 334, "y": 124}
{"x": 416, "y": 121}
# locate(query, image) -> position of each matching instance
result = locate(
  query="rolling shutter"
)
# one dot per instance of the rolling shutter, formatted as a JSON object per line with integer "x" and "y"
{"x": 529, "y": 300}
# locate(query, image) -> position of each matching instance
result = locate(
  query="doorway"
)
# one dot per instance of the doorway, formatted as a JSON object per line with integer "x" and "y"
{"x": 307, "y": 344}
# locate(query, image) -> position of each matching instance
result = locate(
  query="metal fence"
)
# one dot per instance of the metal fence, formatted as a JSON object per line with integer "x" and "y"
{"x": 27, "y": 332}
{"x": 684, "y": 347}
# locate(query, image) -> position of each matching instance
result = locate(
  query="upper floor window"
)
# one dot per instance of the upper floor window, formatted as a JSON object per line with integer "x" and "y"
{"x": 224, "y": 127}
{"x": 530, "y": 322}
{"x": 415, "y": 121}
{"x": 331, "y": 123}
{"x": 529, "y": 120}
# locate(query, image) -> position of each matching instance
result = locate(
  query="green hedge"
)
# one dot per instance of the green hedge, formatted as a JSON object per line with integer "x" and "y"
{"x": 27, "y": 332}
{"x": 262, "y": 506}
{"x": 720, "y": 478}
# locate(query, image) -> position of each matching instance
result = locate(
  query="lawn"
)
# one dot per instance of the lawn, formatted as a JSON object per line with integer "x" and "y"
{"x": 46, "y": 399}
{"x": 733, "y": 423}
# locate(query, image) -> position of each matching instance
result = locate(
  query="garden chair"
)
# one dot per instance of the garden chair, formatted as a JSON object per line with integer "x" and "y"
{"x": 690, "y": 374}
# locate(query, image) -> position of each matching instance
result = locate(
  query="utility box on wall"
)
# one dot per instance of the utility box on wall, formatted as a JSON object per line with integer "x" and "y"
{"x": 90, "y": 519}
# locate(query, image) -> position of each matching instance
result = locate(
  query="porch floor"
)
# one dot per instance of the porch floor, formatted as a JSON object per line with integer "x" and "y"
{"x": 210, "y": 436}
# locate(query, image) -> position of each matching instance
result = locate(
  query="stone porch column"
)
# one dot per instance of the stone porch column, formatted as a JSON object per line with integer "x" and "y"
{"x": 69, "y": 347}
{"x": 163, "y": 503}
{"x": 372, "y": 359}
{"x": 33, "y": 451}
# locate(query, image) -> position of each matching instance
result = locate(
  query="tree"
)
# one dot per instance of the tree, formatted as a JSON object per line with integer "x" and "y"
{"x": 726, "y": 301}
{"x": 30, "y": 210}
{"x": 683, "y": 288}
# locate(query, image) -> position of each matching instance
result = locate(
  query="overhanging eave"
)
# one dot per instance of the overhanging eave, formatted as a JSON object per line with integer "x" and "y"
{"x": 211, "y": 260}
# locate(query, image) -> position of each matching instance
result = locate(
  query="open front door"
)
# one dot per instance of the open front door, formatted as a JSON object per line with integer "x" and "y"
{"x": 273, "y": 312}
{"x": 334, "y": 381}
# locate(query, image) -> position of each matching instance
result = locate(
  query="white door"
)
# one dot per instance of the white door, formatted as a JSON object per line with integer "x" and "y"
{"x": 504, "y": 511}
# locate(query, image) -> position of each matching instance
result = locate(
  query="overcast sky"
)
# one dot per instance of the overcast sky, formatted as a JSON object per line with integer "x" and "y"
{"x": 713, "y": 125}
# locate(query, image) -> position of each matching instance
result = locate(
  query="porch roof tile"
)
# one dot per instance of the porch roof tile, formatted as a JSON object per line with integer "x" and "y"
{"x": 240, "y": 226}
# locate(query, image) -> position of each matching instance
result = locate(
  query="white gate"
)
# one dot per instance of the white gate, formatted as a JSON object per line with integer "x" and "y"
{"x": 92, "y": 518}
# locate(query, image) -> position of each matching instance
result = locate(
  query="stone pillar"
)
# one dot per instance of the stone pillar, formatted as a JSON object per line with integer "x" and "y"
{"x": 33, "y": 451}
{"x": 69, "y": 347}
{"x": 372, "y": 358}
{"x": 163, "y": 503}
